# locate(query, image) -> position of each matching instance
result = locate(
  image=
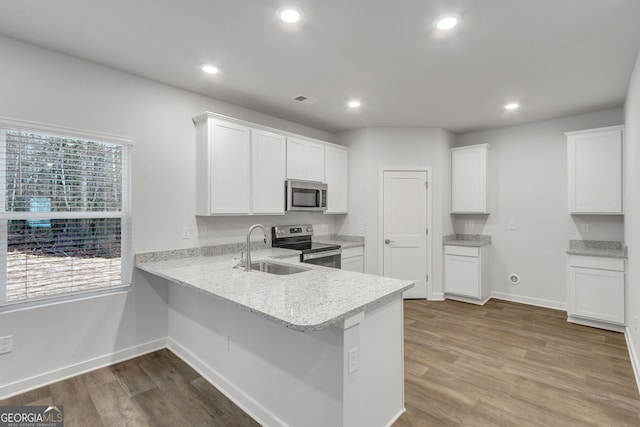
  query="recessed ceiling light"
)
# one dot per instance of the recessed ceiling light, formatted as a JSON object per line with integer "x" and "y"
{"x": 447, "y": 22}
{"x": 512, "y": 106}
{"x": 354, "y": 104}
{"x": 210, "y": 69}
{"x": 290, "y": 16}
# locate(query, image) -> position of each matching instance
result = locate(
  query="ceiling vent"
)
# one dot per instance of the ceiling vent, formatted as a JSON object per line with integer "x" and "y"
{"x": 304, "y": 100}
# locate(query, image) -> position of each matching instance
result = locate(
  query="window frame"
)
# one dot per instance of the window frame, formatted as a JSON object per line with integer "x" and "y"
{"x": 124, "y": 214}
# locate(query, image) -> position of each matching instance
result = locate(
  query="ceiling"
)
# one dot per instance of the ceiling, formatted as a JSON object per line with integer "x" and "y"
{"x": 554, "y": 57}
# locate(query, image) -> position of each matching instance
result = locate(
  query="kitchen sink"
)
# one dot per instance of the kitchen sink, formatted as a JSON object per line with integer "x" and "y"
{"x": 273, "y": 268}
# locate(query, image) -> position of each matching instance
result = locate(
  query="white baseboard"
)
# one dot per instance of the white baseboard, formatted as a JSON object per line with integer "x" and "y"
{"x": 439, "y": 296}
{"x": 397, "y": 417}
{"x": 46, "y": 378}
{"x": 635, "y": 363}
{"x": 531, "y": 301}
{"x": 256, "y": 411}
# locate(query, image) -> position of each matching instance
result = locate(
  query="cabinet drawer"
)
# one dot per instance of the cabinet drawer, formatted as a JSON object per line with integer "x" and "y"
{"x": 462, "y": 251}
{"x": 600, "y": 263}
{"x": 353, "y": 252}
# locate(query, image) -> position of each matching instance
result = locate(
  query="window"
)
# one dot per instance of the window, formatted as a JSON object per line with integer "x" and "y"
{"x": 64, "y": 214}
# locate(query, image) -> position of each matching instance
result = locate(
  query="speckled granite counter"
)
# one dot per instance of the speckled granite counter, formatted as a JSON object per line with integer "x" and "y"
{"x": 600, "y": 248}
{"x": 472, "y": 240}
{"x": 345, "y": 241}
{"x": 306, "y": 301}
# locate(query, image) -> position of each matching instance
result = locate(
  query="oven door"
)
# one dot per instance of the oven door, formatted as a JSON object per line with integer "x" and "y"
{"x": 331, "y": 258}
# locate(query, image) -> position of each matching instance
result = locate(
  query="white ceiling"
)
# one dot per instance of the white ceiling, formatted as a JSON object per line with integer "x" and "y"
{"x": 555, "y": 57}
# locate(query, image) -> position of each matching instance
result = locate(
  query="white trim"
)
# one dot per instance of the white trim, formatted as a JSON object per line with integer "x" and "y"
{"x": 397, "y": 417}
{"x": 55, "y": 130}
{"x": 437, "y": 296}
{"x": 48, "y": 300}
{"x": 595, "y": 323}
{"x": 635, "y": 363}
{"x": 429, "y": 172}
{"x": 254, "y": 409}
{"x": 530, "y": 300}
{"x": 50, "y": 377}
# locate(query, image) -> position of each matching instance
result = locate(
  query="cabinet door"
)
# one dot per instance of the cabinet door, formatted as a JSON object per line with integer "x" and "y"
{"x": 337, "y": 179}
{"x": 353, "y": 264}
{"x": 469, "y": 179}
{"x": 314, "y": 161}
{"x": 462, "y": 276}
{"x": 296, "y": 168}
{"x": 595, "y": 171}
{"x": 229, "y": 162}
{"x": 268, "y": 153}
{"x": 597, "y": 294}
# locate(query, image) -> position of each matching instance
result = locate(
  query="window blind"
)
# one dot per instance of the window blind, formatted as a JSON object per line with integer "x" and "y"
{"x": 64, "y": 213}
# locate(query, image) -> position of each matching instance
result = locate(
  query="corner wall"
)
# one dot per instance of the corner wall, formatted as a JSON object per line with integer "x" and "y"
{"x": 527, "y": 180}
{"x": 632, "y": 215}
{"x": 43, "y": 86}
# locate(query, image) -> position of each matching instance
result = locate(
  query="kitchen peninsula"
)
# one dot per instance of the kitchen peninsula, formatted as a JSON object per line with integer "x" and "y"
{"x": 320, "y": 347}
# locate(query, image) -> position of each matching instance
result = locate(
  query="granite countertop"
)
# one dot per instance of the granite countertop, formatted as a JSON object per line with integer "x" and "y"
{"x": 600, "y": 248}
{"x": 307, "y": 301}
{"x": 472, "y": 240}
{"x": 345, "y": 241}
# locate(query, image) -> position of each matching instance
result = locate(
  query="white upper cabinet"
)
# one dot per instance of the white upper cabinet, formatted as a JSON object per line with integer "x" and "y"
{"x": 336, "y": 173}
{"x": 222, "y": 167}
{"x": 469, "y": 179}
{"x": 268, "y": 154}
{"x": 595, "y": 170}
{"x": 305, "y": 160}
{"x": 240, "y": 170}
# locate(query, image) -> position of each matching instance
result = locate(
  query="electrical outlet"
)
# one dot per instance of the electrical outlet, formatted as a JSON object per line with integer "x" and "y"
{"x": 636, "y": 323}
{"x": 511, "y": 225}
{"x": 186, "y": 232}
{"x": 472, "y": 224}
{"x": 354, "y": 362}
{"x": 225, "y": 340}
{"x": 584, "y": 227}
{"x": 6, "y": 344}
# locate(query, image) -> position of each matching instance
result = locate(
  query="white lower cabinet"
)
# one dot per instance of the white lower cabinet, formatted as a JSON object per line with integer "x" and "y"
{"x": 466, "y": 271}
{"x": 596, "y": 291}
{"x": 353, "y": 259}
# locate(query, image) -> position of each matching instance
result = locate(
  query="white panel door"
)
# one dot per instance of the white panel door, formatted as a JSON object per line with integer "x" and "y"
{"x": 314, "y": 161}
{"x": 337, "y": 179}
{"x": 405, "y": 229}
{"x": 230, "y": 168}
{"x": 462, "y": 275}
{"x": 597, "y": 294}
{"x": 595, "y": 171}
{"x": 296, "y": 168}
{"x": 468, "y": 180}
{"x": 269, "y": 156}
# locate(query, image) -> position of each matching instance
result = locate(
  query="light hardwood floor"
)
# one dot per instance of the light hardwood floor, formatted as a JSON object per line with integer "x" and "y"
{"x": 502, "y": 364}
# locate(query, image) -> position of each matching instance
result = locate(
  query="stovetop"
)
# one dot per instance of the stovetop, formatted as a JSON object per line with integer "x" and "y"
{"x": 298, "y": 237}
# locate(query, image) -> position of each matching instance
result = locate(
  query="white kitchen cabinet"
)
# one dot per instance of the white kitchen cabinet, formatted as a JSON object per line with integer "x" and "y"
{"x": 268, "y": 155}
{"x": 596, "y": 291}
{"x": 469, "y": 179}
{"x": 336, "y": 173}
{"x": 240, "y": 170}
{"x": 595, "y": 170}
{"x": 305, "y": 160}
{"x": 222, "y": 167}
{"x": 353, "y": 259}
{"x": 467, "y": 273}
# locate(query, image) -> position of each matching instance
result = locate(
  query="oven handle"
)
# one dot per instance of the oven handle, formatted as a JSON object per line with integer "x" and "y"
{"x": 324, "y": 254}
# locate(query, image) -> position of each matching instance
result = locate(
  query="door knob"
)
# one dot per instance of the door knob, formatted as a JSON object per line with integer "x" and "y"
{"x": 387, "y": 241}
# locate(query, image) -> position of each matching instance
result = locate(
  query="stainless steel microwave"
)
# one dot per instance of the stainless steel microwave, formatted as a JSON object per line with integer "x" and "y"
{"x": 307, "y": 196}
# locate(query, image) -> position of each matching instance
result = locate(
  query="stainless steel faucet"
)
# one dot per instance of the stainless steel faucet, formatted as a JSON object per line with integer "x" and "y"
{"x": 247, "y": 265}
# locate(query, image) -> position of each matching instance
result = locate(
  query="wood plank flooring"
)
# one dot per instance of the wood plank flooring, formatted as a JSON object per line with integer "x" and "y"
{"x": 508, "y": 364}
{"x": 502, "y": 364}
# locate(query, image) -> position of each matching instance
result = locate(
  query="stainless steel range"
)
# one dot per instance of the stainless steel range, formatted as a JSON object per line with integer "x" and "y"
{"x": 298, "y": 237}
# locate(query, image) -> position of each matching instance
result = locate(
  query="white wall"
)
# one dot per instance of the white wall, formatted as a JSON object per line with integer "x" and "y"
{"x": 374, "y": 147}
{"x": 632, "y": 214}
{"x": 43, "y": 86}
{"x": 528, "y": 185}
